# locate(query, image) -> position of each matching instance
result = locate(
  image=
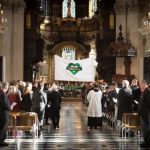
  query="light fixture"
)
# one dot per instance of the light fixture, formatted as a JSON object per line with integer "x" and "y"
{"x": 3, "y": 20}
{"x": 45, "y": 26}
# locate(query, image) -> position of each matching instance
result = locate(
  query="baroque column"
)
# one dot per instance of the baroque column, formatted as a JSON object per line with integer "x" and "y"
{"x": 13, "y": 43}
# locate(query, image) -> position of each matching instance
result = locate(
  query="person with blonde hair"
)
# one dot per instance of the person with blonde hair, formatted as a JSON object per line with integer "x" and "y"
{"x": 39, "y": 101}
{"x": 26, "y": 102}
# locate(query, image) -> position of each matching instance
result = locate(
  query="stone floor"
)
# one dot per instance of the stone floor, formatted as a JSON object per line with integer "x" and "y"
{"x": 73, "y": 135}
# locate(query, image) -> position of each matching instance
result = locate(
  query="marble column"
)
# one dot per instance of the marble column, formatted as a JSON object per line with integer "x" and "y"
{"x": 13, "y": 40}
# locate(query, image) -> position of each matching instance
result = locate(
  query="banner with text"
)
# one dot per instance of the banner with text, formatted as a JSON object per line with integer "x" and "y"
{"x": 74, "y": 70}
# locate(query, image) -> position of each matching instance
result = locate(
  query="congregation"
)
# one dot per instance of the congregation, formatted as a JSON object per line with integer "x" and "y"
{"x": 101, "y": 98}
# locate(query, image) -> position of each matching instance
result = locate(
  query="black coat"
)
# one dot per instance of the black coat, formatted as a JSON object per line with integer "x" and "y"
{"x": 4, "y": 110}
{"x": 26, "y": 102}
{"x": 136, "y": 93}
{"x": 124, "y": 102}
{"x": 4, "y": 115}
{"x": 144, "y": 105}
{"x": 55, "y": 100}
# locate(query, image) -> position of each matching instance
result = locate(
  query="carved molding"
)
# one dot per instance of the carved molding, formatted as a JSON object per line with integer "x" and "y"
{"x": 15, "y": 5}
{"x": 131, "y": 6}
{"x": 88, "y": 36}
{"x": 57, "y": 49}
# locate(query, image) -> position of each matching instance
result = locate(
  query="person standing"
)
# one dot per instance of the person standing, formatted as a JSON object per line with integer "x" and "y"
{"x": 14, "y": 99}
{"x": 144, "y": 112}
{"x": 94, "y": 111}
{"x": 39, "y": 101}
{"x": 48, "y": 105}
{"x": 26, "y": 103}
{"x": 136, "y": 93}
{"x": 125, "y": 101}
{"x": 55, "y": 100}
{"x": 4, "y": 113}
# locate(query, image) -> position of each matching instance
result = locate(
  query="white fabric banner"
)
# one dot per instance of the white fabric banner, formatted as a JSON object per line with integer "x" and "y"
{"x": 74, "y": 70}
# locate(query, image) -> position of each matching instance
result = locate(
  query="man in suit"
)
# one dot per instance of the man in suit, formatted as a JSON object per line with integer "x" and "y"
{"x": 4, "y": 113}
{"x": 55, "y": 100}
{"x": 144, "y": 112}
{"x": 136, "y": 93}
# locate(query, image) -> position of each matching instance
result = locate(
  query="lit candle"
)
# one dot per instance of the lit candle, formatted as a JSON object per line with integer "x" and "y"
{"x": 2, "y": 12}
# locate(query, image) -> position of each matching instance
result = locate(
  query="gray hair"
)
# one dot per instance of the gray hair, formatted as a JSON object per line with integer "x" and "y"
{"x": 4, "y": 85}
{"x": 143, "y": 81}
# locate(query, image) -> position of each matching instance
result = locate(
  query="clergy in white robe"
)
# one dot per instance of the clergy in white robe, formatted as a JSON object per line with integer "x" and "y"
{"x": 94, "y": 110}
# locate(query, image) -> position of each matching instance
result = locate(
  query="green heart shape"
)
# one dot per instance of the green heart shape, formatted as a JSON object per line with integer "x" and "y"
{"x": 74, "y": 68}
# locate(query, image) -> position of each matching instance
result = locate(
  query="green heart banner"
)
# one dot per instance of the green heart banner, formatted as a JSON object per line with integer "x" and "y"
{"x": 74, "y": 70}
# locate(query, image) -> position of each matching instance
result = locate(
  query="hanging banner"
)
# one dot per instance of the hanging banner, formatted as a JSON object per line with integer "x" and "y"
{"x": 74, "y": 70}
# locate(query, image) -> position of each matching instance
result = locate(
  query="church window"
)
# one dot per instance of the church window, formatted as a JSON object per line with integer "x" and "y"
{"x": 66, "y": 8}
{"x": 92, "y": 7}
{"x": 68, "y": 53}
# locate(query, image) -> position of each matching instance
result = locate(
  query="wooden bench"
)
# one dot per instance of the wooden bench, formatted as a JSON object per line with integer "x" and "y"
{"x": 24, "y": 121}
{"x": 130, "y": 122}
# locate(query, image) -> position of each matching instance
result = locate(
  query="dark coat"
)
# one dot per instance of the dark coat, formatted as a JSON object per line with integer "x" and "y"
{"x": 112, "y": 94}
{"x": 136, "y": 93}
{"x": 26, "y": 102}
{"x": 38, "y": 102}
{"x": 55, "y": 100}
{"x": 4, "y": 115}
{"x": 124, "y": 102}
{"x": 4, "y": 109}
{"x": 144, "y": 105}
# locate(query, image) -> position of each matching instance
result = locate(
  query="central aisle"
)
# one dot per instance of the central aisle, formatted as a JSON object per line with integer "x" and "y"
{"x": 73, "y": 134}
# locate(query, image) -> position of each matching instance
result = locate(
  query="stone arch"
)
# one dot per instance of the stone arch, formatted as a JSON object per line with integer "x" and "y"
{"x": 81, "y": 51}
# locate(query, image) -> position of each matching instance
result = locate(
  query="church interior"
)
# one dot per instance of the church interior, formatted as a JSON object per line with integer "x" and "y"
{"x": 114, "y": 33}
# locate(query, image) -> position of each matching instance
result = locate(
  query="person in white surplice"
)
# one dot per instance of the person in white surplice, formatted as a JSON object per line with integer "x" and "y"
{"x": 94, "y": 110}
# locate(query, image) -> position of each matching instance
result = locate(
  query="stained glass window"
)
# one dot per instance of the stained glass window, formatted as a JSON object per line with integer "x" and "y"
{"x": 92, "y": 7}
{"x": 68, "y": 53}
{"x": 65, "y": 8}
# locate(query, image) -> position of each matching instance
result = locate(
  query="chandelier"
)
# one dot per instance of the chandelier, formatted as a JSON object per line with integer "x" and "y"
{"x": 3, "y": 20}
